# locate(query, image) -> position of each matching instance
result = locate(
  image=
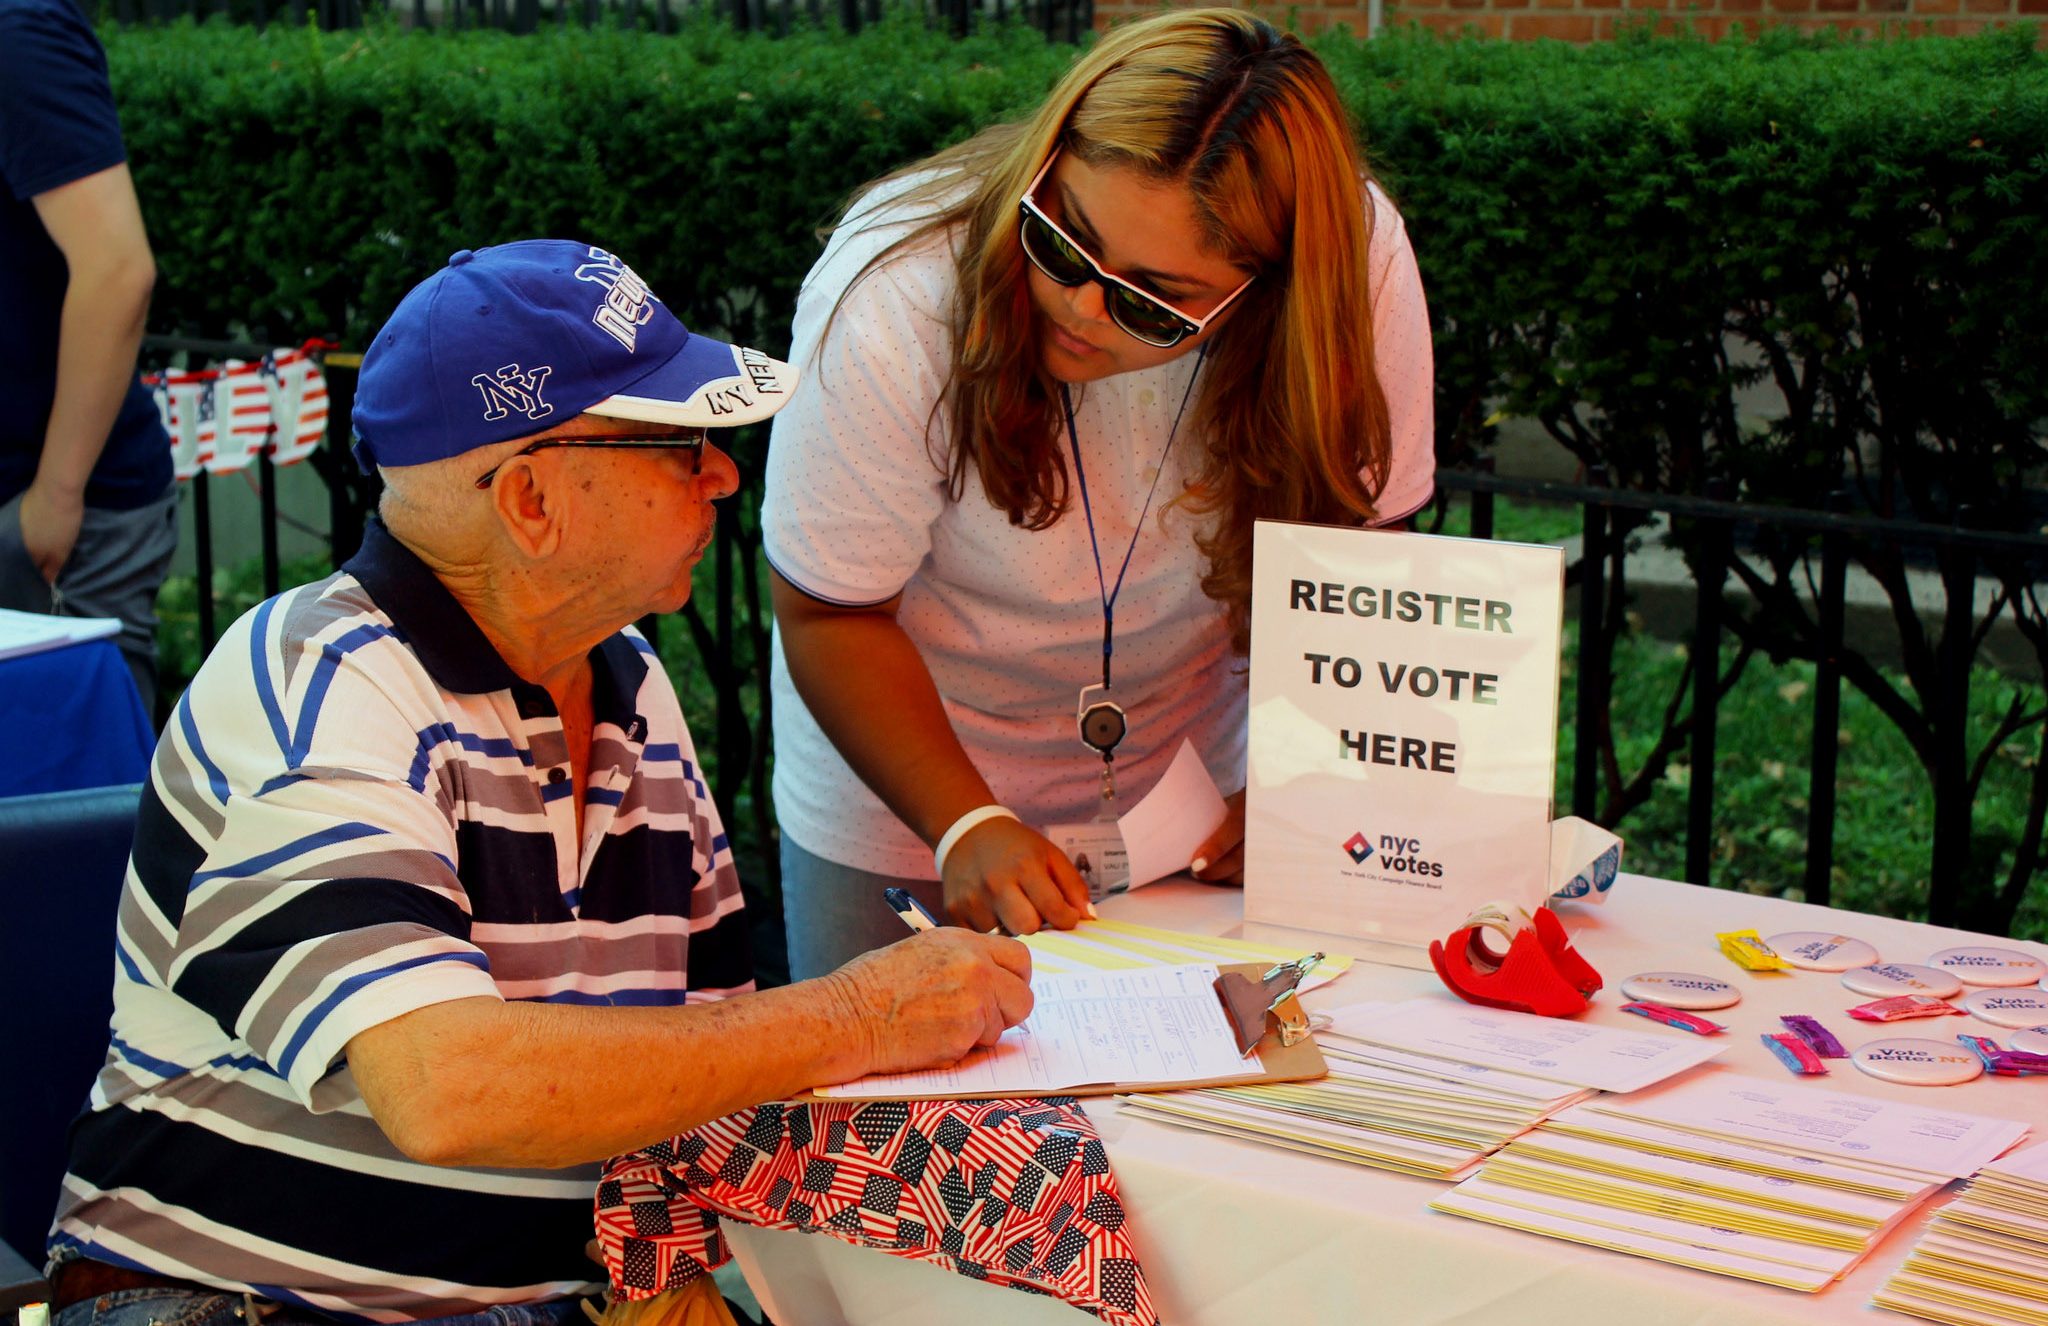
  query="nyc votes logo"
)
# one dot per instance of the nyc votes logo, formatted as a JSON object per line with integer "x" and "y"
{"x": 1397, "y": 854}
{"x": 1358, "y": 847}
{"x": 1403, "y": 856}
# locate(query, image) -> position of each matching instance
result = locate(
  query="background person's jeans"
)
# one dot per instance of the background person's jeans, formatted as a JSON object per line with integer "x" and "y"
{"x": 195, "y": 1307}
{"x": 834, "y": 913}
{"x": 116, "y": 568}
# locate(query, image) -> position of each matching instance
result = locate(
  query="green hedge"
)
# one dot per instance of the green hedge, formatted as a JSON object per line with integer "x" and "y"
{"x": 1591, "y": 221}
{"x": 298, "y": 181}
{"x": 1616, "y": 237}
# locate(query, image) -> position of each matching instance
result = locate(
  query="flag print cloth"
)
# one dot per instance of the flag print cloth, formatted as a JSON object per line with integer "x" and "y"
{"x": 1015, "y": 1192}
{"x": 219, "y": 419}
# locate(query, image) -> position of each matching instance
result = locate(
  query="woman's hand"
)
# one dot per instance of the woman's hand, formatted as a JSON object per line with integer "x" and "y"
{"x": 1006, "y": 873}
{"x": 1220, "y": 858}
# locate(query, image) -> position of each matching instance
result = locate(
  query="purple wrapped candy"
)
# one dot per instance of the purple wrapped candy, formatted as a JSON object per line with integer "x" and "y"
{"x": 1819, "y": 1038}
{"x": 2006, "y": 1063}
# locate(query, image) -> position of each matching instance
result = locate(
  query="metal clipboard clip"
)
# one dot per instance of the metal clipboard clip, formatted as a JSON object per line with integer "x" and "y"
{"x": 1253, "y": 1006}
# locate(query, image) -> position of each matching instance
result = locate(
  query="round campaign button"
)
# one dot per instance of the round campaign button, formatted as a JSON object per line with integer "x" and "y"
{"x": 1898, "y": 978}
{"x": 1817, "y": 950}
{"x": 2031, "y": 1040}
{"x": 1681, "y": 989}
{"x": 1990, "y": 966}
{"x": 2008, "y": 1008}
{"x": 1918, "y": 1063}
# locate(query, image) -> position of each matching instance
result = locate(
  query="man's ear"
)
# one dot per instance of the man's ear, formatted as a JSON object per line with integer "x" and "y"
{"x": 532, "y": 512}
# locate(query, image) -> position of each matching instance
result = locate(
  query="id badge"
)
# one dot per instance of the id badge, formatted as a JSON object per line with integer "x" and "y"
{"x": 1097, "y": 850}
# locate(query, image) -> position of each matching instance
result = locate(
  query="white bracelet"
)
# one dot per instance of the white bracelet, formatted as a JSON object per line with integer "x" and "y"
{"x": 962, "y": 827}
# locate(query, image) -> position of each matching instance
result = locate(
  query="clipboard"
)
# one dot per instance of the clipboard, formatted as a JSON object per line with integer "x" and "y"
{"x": 1275, "y": 1060}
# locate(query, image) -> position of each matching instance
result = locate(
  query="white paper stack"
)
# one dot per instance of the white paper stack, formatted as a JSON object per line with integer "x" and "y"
{"x": 1434, "y": 1085}
{"x": 1389, "y": 1109}
{"x": 1142, "y": 1025}
{"x": 1560, "y": 1050}
{"x": 1984, "y": 1256}
{"x": 1729, "y": 1174}
{"x": 33, "y": 632}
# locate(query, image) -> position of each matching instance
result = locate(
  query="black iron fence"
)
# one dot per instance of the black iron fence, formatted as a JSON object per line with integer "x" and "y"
{"x": 1059, "y": 20}
{"x": 1710, "y": 528}
{"x": 351, "y": 495}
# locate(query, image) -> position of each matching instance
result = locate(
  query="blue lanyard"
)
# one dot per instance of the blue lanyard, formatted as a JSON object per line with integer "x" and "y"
{"x": 1107, "y": 591}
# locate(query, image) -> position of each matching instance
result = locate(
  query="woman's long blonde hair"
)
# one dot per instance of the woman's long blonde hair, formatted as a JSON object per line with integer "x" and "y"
{"x": 1290, "y": 410}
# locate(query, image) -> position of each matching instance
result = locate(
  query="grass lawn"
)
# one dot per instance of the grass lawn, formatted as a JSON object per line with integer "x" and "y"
{"x": 1762, "y": 764}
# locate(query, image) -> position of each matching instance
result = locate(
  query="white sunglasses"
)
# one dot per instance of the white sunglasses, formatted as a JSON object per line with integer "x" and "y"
{"x": 1141, "y": 315}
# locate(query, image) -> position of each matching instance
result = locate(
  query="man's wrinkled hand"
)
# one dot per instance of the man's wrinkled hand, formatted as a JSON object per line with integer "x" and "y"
{"x": 927, "y": 1001}
{"x": 1003, "y": 873}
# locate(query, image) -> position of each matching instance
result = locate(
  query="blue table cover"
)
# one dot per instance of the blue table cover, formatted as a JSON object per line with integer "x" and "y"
{"x": 70, "y": 718}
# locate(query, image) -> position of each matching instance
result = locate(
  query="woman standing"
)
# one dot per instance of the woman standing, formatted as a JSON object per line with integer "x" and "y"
{"x": 1052, "y": 376}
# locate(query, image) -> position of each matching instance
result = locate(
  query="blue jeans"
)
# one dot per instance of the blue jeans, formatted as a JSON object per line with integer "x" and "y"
{"x": 196, "y": 1307}
{"x": 116, "y": 567}
{"x": 833, "y": 913}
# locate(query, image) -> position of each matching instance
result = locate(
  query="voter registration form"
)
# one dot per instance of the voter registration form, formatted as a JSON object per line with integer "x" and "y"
{"x": 1145, "y": 1026}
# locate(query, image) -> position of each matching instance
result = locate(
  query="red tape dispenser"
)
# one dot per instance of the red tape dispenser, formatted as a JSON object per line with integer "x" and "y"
{"x": 1539, "y": 973}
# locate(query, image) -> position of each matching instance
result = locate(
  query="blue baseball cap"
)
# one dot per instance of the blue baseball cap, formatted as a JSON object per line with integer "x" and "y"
{"x": 508, "y": 341}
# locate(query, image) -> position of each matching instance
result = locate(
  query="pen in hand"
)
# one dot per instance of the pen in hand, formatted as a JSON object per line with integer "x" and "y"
{"x": 910, "y": 909}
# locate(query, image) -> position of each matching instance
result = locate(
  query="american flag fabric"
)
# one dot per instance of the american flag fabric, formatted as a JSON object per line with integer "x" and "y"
{"x": 220, "y": 419}
{"x": 1014, "y": 1192}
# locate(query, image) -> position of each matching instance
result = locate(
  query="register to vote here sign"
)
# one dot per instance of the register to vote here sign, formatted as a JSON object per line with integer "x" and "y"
{"x": 1403, "y": 728}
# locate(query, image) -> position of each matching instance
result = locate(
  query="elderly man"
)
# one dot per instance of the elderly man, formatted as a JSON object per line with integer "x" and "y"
{"x": 429, "y": 907}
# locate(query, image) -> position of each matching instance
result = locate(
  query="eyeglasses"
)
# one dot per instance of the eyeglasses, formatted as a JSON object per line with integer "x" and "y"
{"x": 1141, "y": 315}
{"x": 691, "y": 441}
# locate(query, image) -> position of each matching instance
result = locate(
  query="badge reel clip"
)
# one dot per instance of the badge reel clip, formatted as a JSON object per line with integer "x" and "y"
{"x": 1102, "y": 726}
{"x": 1538, "y": 973}
{"x": 1267, "y": 1003}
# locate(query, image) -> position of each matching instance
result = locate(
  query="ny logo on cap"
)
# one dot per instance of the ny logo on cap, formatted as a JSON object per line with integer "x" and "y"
{"x": 628, "y": 303}
{"x": 511, "y": 389}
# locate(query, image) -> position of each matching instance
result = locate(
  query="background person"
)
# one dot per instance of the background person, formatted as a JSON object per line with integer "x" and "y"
{"x": 430, "y": 909}
{"x": 88, "y": 509}
{"x": 1057, "y": 369}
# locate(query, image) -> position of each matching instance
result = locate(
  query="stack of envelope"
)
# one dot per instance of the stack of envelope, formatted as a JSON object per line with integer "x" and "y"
{"x": 1717, "y": 1206}
{"x": 1389, "y": 1109}
{"x": 1731, "y": 1175}
{"x": 1984, "y": 1256}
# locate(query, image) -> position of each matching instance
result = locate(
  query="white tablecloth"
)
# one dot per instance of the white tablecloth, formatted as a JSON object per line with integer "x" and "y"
{"x": 1233, "y": 1232}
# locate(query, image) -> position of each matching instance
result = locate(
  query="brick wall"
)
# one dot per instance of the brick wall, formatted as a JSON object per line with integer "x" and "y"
{"x": 1592, "y": 20}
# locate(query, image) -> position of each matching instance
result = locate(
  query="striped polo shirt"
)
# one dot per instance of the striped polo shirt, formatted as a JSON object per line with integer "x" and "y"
{"x": 356, "y": 811}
